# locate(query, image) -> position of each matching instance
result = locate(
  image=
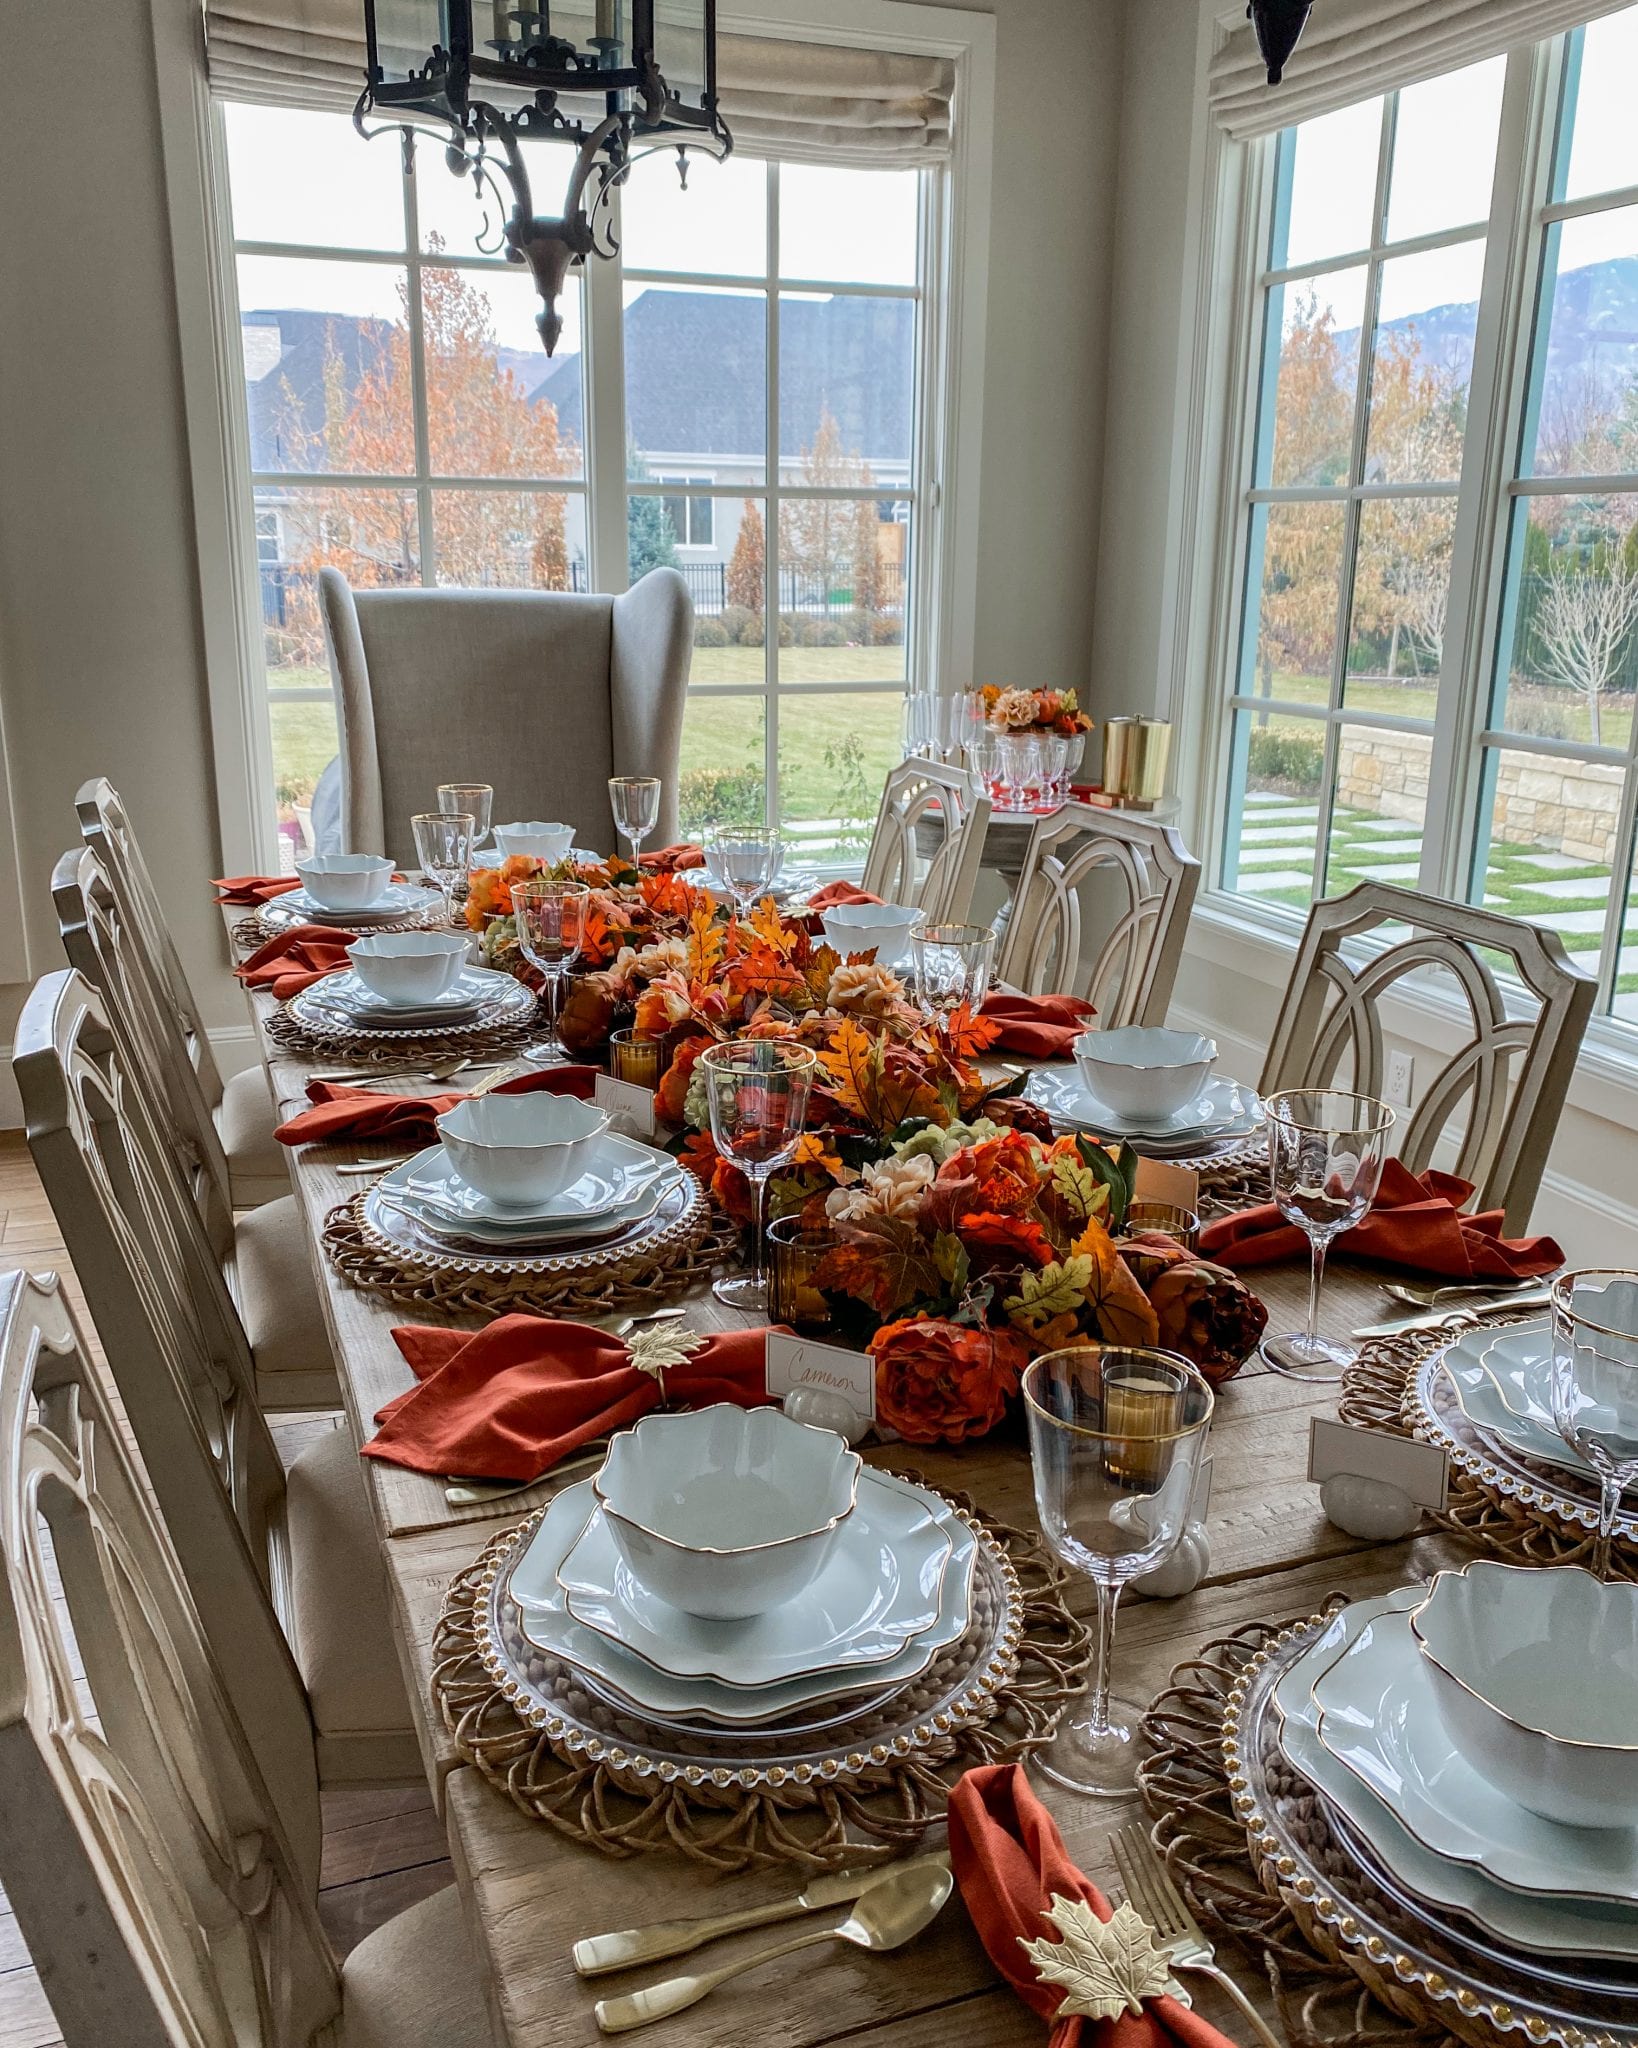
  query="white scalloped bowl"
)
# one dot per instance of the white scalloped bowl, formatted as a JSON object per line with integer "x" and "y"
{"x": 888, "y": 927}
{"x": 1536, "y": 1677}
{"x": 345, "y": 881}
{"x": 534, "y": 839}
{"x": 520, "y": 1150}
{"x": 409, "y": 967}
{"x": 726, "y": 1512}
{"x": 1144, "y": 1072}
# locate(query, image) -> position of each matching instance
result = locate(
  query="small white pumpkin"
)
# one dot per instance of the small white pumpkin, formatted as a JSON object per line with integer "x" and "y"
{"x": 821, "y": 1408}
{"x": 1368, "y": 1508}
{"x": 1183, "y": 1570}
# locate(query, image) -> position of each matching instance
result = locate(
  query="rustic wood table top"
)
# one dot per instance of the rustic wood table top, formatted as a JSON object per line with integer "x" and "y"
{"x": 530, "y": 1893}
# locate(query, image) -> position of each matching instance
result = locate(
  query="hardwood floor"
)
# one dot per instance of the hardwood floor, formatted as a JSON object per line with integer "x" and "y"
{"x": 383, "y": 1849}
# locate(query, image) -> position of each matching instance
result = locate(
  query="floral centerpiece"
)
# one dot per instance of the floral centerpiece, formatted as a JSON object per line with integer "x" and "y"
{"x": 1034, "y": 711}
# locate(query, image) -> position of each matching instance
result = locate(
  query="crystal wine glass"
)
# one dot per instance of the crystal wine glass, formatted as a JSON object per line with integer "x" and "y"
{"x": 747, "y": 857}
{"x": 757, "y": 1089}
{"x": 549, "y": 919}
{"x": 1326, "y": 1150}
{"x": 1595, "y": 1383}
{"x": 1116, "y": 1434}
{"x": 443, "y": 845}
{"x": 477, "y": 799}
{"x": 635, "y": 801}
{"x": 953, "y": 964}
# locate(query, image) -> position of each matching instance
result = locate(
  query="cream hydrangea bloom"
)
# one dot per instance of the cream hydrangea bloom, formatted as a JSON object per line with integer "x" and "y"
{"x": 865, "y": 990}
{"x": 1014, "y": 709}
{"x": 891, "y": 1187}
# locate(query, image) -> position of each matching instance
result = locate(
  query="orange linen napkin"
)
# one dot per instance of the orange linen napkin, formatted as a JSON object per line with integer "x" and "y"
{"x": 670, "y": 860}
{"x": 835, "y": 894}
{"x": 342, "y": 1112}
{"x": 296, "y": 959}
{"x": 1010, "y": 1862}
{"x": 254, "y": 888}
{"x": 526, "y": 1391}
{"x": 1414, "y": 1222}
{"x": 1038, "y": 1027}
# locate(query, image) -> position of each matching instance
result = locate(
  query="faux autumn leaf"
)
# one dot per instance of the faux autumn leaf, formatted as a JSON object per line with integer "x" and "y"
{"x": 1119, "y": 1309}
{"x": 1079, "y": 1191}
{"x": 882, "y": 1261}
{"x": 1013, "y": 1237}
{"x": 853, "y": 1062}
{"x": 967, "y": 1035}
{"x": 1106, "y": 1967}
{"x": 1059, "y": 1289}
{"x": 705, "y": 943}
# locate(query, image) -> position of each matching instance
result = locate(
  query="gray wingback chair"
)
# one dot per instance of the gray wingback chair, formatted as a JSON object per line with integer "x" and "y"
{"x": 544, "y": 695}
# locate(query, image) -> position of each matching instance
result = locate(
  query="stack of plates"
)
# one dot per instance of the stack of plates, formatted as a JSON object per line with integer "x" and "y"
{"x": 1224, "y": 1115}
{"x": 341, "y": 1005}
{"x": 624, "y": 1183}
{"x": 895, "y": 1591}
{"x": 1358, "y": 1719}
{"x": 399, "y": 900}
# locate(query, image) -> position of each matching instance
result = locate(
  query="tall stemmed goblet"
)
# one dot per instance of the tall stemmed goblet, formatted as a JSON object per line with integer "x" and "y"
{"x": 1326, "y": 1150}
{"x": 747, "y": 857}
{"x": 550, "y": 921}
{"x": 635, "y": 802}
{"x": 1595, "y": 1383}
{"x": 757, "y": 1089}
{"x": 952, "y": 964}
{"x": 443, "y": 845}
{"x": 1116, "y": 1434}
{"x": 477, "y": 799}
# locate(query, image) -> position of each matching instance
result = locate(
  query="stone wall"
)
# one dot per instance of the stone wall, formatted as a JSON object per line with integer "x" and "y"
{"x": 1571, "y": 807}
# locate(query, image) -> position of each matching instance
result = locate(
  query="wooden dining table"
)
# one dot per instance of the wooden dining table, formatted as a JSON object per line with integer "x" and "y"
{"x": 529, "y": 1893}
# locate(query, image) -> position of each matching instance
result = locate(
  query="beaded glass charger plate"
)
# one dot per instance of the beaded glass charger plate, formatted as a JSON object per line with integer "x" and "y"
{"x": 506, "y": 1004}
{"x": 402, "y": 903}
{"x": 1423, "y": 1963}
{"x": 624, "y": 1182}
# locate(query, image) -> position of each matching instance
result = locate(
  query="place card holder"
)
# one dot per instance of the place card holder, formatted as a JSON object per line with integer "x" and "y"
{"x": 1372, "y": 1484}
{"x": 823, "y": 1384}
{"x": 630, "y": 1107}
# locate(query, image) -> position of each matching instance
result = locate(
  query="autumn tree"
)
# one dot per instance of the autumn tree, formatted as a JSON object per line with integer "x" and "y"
{"x": 748, "y": 564}
{"x": 1584, "y": 621}
{"x": 830, "y": 541}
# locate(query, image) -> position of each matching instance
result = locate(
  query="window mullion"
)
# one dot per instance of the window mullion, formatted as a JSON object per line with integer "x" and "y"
{"x": 603, "y": 372}
{"x": 418, "y": 372}
{"x": 772, "y": 537}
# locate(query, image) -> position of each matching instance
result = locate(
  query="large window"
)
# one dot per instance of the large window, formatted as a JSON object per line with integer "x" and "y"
{"x": 1437, "y": 657}
{"x": 405, "y": 426}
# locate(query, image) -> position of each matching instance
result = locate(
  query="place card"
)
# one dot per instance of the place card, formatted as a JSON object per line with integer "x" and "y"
{"x": 1157, "y": 1181}
{"x": 627, "y": 1104}
{"x": 1347, "y": 1450}
{"x": 805, "y": 1362}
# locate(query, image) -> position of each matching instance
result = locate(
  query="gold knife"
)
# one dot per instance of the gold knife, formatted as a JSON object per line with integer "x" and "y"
{"x": 598, "y": 1954}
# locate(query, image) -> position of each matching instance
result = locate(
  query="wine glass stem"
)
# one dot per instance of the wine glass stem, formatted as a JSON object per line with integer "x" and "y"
{"x": 1609, "y": 1506}
{"x": 1318, "y": 1247}
{"x": 759, "y": 1210}
{"x": 1103, "y": 1656}
{"x": 551, "y": 991}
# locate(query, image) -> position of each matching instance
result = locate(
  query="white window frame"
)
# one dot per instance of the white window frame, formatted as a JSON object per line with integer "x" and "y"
{"x": 955, "y": 266}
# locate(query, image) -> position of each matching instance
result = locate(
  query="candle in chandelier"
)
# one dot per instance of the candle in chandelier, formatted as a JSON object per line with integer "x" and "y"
{"x": 503, "y": 33}
{"x": 607, "y": 33}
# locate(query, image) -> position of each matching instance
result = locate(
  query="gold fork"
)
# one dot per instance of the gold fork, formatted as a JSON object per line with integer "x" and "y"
{"x": 1151, "y": 1892}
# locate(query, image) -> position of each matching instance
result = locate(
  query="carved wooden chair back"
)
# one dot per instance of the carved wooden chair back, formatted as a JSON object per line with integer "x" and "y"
{"x": 177, "y": 1351}
{"x": 1505, "y": 1084}
{"x": 149, "y": 1865}
{"x": 926, "y": 805}
{"x": 1143, "y": 886}
{"x": 112, "y": 950}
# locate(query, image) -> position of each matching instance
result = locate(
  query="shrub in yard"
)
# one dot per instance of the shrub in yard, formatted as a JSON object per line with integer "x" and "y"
{"x": 787, "y": 630}
{"x": 719, "y": 796}
{"x": 750, "y": 633}
{"x": 1539, "y": 715}
{"x": 886, "y": 631}
{"x": 1290, "y": 757}
{"x": 710, "y": 633}
{"x": 805, "y": 630}
{"x": 829, "y": 633}
{"x": 735, "y": 618}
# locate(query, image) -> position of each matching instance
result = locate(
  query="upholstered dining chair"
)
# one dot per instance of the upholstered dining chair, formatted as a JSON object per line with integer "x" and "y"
{"x": 928, "y": 841}
{"x": 1132, "y": 918}
{"x": 1499, "y": 1096}
{"x": 241, "y": 1108}
{"x": 543, "y": 695}
{"x": 271, "y": 1555}
{"x": 161, "y": 1852}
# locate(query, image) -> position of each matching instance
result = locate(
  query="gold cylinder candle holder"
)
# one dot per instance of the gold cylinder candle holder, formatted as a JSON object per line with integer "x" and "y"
{"x": 795, "y": 1249}
{"x": 1140, "y": 1404}
{"x": 1136, "y": 754}
{"x": 1163, "y": 1219}
{"x": 634, "y": 1059}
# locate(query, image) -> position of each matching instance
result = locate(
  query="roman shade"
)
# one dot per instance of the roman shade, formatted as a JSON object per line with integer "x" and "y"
{"x": 1354, "y": 49}
{"x": 779, "y": 98}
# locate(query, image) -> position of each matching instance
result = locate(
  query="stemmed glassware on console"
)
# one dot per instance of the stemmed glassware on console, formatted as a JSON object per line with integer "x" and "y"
{"x": 1326, "y": 1151}
{"x": 549, "y": 916}
{"x": 635, "y": 802}
{"x": 757, "y": 1089}
{"x": 747, "y": 858}
{"x": 443, "y": 845}
{"x": 1116, "y": 1436}
{"x": 1595, "y": 1382}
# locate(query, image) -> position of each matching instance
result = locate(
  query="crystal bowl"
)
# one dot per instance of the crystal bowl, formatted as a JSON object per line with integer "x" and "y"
{"x": 1536, "y": 1677}
{"x": 726, "y": 1512}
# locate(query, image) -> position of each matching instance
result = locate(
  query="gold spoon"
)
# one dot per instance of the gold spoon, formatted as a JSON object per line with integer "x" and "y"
{"x": 885, "y": 1917}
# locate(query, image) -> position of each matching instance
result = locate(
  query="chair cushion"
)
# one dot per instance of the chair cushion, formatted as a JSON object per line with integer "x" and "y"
{"x": 415, "y": 1983}
{"x": 258, "y": 1165}
{"x": 278, "y": 1298}
{"x": 339, "y": 1625}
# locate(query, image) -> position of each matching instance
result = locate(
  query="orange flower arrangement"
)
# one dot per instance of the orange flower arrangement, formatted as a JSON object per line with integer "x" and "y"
{"x": 941, "y": 1382}
{"x": 1022, "y": 710}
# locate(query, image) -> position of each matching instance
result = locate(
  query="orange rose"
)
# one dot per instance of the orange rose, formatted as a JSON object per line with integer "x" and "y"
{"x": 672, "y": 1092}
{"x": 588, "y": 1013}
{"x": 940, "y": 1382}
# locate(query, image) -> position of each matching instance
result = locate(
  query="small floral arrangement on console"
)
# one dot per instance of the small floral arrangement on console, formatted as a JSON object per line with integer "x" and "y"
{"x": 1027, "y": 711}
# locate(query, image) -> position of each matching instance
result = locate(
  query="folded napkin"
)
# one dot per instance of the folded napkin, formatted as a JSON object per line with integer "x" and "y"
{"x": 1038, "y": 1027}
{"x": 340, "y": 1111}
{"x": 512, "y": 1400}
{"x": 254, "y": 888}
{"x": 296, "y": 959}
{"x": 668, "y": 860}
{"x": 1010, "y": 1862}
{"x": 834, "y": 894}
{"x": 1415, "y": 1221}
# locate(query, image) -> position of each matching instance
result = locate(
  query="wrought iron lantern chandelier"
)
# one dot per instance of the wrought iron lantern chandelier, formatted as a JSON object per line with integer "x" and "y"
{"x": 613, "y": 77}
{"x": 1279, "y": 24}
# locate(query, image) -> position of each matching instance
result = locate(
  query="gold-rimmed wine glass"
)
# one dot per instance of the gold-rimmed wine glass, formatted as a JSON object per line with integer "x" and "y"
{"x": 1594, "y": 1384}
{"x": 476, "y": 799}
{"x": 757, "y": 1090}
{"x": 550, "y": 924}
{"x": 1116, "y": 1435}
{"x": 443, "y": 845}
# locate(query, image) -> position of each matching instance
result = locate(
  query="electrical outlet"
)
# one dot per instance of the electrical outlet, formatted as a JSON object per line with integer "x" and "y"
{"x": 1398, "y": 1078}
